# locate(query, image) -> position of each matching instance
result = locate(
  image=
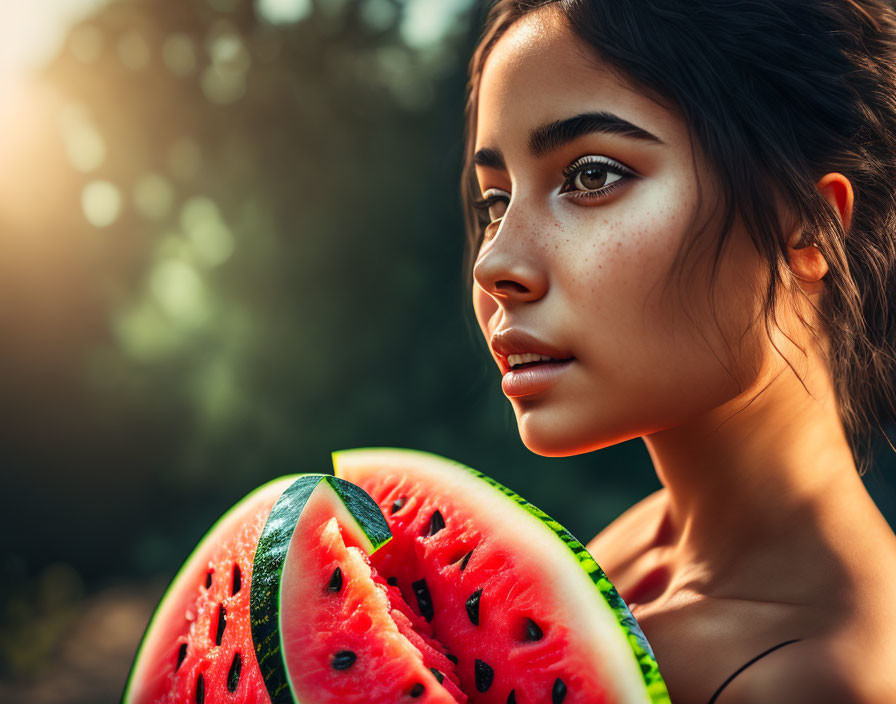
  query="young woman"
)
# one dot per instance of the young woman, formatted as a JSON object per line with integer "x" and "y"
{"x": 682, "y": 227}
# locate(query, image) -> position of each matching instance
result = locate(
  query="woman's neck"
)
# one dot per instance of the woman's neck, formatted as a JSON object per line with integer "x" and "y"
{"x": 755, "y": 487}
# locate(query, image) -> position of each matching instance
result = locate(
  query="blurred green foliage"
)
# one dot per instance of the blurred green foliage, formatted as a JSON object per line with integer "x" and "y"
{"x": 232, "y": 243}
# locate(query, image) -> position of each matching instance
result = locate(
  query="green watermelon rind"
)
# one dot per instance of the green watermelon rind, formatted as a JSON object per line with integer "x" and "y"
{"x": 653, "y": 680}
{"x": 187, "y": 566}
{"x": 270, "y": 560}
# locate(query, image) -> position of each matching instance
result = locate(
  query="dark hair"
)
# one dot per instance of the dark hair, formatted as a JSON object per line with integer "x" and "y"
{"x": 776, "y": 93}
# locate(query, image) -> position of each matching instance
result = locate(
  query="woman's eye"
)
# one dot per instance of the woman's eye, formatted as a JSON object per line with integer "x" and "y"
{"x": 588, "y": 177}
{"x": 595, "y": 177}
{"x": 495, "y": 202}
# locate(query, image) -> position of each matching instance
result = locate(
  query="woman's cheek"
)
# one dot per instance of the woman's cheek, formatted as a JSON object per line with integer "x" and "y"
{"x": 485, "y": 308}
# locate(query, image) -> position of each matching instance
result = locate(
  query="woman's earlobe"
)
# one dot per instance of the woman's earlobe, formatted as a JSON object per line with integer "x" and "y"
{"x": 807, "y": 263}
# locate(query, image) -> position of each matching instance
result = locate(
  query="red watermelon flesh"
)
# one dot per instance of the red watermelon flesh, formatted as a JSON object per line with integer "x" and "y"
{"x": 496, "y": 622}
{"x": 198, "y": 646}
{"x": 388, "y": 652}
{"x": 218, "y": 658}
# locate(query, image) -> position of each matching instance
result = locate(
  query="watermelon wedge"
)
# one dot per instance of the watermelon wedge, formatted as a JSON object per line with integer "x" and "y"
{"x": 527, "y": 611}
{"x": 327, "y": 628}
{"x": 405, "y": 577}
{"x": 198, "y": 645}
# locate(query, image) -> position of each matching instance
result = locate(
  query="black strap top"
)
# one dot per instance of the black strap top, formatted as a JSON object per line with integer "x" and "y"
{"x": 744, "y": 667}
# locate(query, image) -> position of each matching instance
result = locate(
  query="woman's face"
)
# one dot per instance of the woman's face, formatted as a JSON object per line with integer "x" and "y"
{"x": 586, "y": 225}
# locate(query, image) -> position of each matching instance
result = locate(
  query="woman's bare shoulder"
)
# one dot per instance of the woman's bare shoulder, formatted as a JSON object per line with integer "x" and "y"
{"x": 820, "y": 670}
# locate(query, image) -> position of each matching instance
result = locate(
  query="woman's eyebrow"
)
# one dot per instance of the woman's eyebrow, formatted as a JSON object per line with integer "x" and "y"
{"x": 551, "y": 136}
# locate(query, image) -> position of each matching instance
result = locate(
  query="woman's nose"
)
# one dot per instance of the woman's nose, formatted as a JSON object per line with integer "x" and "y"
{"x": 507, "y": 269}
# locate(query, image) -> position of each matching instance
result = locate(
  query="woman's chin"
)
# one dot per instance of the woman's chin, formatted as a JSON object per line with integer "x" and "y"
{"x": 550, "y": 439}
{"x": 556, "y": 435}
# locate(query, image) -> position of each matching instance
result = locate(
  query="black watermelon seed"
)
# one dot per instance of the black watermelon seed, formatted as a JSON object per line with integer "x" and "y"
{"x": 473, "y": 606}
{"x": 398, "y": 504}
{"x": 533, "y": 631}
{"x": 439, "y": 676}
{"x": 335, "y": 581}
{"x": 511, "y": 698}
{"x": 417, "y": 690}
{"x": 222, "y": 622}
{"x": 424, "y": 600}
{"x": 452, "y": 658}
{"x": 181, "y": 654}
{"x": 237, "y": 579}
{"x": 343, "y": 660}
{"x": 463, "y": 563}
{"x": 393, "y": 581}
{"x": 233, "y": 676}
{"x": 208, "y": 579}
{"x": 558, "y": 694}
{"x": 200, "y": 690}
{"x": 436, "y": 523}
{"x": 484, "y": 676}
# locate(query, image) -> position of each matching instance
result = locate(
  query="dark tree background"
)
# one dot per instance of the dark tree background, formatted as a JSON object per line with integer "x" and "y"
{"x": 232, "y": 243}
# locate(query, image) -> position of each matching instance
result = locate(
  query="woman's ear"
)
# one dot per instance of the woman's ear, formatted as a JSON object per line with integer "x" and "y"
{"x": 837, "y": 190}
{"x": 807, "y": 263}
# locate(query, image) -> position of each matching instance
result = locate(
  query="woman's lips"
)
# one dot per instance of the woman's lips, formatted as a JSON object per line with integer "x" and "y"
{"x": 511, "y": 341}
{"x": 529, "y": 380}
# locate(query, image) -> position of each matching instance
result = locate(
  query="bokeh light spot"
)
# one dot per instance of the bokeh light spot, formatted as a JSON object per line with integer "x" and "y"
{"x": 427, "y": 22}
{"x": 283, "y": 11}
{"x": 211, "y": 238}
{"x": 179, "y": 54}
{"x": 197, "y": 210}
{"x": 213, "y": 242}
{"x": 86, "y": 43}
{"x": 227, "y": 50}
{"x": 84, "y": 145}
{"x": 85, "y": 148}
{"x": 133, "y": 51}
{"x": 378, "y": 14}
{"x": 101, "y": 203}
{"x": 145, "y": 333}
{"x": 180, "y": 292}
{"x": 153, "y": 196}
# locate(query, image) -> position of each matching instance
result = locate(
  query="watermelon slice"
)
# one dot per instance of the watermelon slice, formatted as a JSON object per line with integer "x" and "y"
{"x": 527, "y": 611}
{"x": 443, "y": 587}
{"x": 198, "y": 645}
{"x": 327, "y": 628}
